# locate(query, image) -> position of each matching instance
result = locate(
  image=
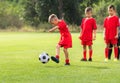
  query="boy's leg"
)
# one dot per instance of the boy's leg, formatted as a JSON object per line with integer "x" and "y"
{"x": 114, "y": 42}
{"x": 118, "y": 53}
{"x": 56, "y": 59}
{"x": 115, "y": 51}
{"x": 106, "y": 52}
{"x": 90, "y": 52}
{"x": 118, "y": 48}
{"x": 58, "y": 51}
{"x": 84, "y": 53}
{"x": 67, "y": 62}
{"x": 110, "y": 51}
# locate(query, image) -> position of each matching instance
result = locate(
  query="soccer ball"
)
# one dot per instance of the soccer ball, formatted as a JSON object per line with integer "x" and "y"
{"x": 44, "y": 57}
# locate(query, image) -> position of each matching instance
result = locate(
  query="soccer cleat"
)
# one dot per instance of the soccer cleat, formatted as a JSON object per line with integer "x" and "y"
{"x": 106, "y": 60}
{"x": 67, "y": 64}
{"x": 90, "y": 59}
{"x": 83, "y": 59}
{"x": 109, "y": 58}
{"x": 54, "y": 59}
{"x": 115, "y": 59}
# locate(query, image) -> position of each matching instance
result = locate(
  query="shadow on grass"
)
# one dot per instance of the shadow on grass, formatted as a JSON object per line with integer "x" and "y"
{"x": 92, "y": 67}
{"x": 54, "y": 66}
{"x": 97, "y": 67}
{"x": 109, "y": 62}
{"x": 76, "y": 66}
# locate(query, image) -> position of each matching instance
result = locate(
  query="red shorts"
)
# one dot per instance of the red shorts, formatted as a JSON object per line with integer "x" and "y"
{"x": 65, "y": 45}
{"x": 112, "y": 41}
{"x": 65, "y": 42}
{"x": 89, "y": 43}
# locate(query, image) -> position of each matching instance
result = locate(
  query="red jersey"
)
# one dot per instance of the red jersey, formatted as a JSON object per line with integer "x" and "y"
{"x": 87, "y": 26}
{"x": 65, "y": 39}
{"x": 110, "y": 25}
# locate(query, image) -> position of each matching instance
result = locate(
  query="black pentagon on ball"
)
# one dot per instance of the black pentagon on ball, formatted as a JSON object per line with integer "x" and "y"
{"x": 44, "y": 57}
{"x": 43, "y": 62}
{"x": 39, "y": 58}
{"x": 47, "y": 54}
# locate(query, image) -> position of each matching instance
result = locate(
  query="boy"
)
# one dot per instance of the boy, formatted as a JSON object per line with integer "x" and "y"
{"x": 88, "y": 33}
{"x": 111, "y": 33}
{"x": 118, "y": 57}
{"x": 65, "y": 39}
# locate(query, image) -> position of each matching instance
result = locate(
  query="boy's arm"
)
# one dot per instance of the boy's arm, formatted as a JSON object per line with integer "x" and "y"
{"x": 94, "y": 34}
{"x": 104, "y": 33}
{"x": 117, "y": 33}
{"x": 81, "y": 27}
{"x": 53, "y": 29}
{"x": 80, "y": 32}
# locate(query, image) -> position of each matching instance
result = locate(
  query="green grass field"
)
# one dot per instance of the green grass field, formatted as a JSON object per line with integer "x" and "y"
{"x": 19, "y": 62}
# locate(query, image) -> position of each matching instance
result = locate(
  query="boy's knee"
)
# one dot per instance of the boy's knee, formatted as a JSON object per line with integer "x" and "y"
{"x": 90, "y": 47}
{"x": 64, "y": 49}
{"x": 108, "y": 46}
{"x": 57, "y": 46}
{"x": 115, "y": 45}
{"x": 84, "y": 47}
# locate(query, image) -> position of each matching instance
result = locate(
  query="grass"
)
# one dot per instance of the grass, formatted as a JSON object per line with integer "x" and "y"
{"x": 19, "y": 62}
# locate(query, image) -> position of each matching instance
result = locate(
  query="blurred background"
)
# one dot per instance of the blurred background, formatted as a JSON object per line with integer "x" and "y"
{"x": 32, "y": 15}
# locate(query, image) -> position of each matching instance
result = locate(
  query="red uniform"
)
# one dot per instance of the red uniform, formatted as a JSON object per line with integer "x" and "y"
{"x": 110, "y": 25}
{"x": 87, "y": 26}
{"x": 65, "y": 39}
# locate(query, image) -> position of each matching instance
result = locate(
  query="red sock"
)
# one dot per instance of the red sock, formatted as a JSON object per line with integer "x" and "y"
{"x": 57, "y": 56}
{"x": 67, "y": 60}
{"x": 90, "y": 53}
{"x": 116, "y": 52}
{"x": 106, "y": 52}
{"x": 84, "y": 54}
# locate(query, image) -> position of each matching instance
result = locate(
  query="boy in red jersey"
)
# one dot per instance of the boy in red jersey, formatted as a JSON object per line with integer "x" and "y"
{"x": 111, "y": 24}
{"x": 65, "y": 39}
{"x": 88, "y": 33}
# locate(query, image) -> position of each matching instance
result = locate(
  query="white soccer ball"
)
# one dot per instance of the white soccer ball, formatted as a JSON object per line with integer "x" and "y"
{"x": 44, "y": 57}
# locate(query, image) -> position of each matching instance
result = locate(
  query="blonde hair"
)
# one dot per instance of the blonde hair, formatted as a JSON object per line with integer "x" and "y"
{"x": 51, "y": 17}
{"x": 88, "y": 9}
{"x": 111, "y": 6}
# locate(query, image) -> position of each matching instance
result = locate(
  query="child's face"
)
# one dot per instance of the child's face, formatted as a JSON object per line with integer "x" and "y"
{"x": 54, "y": 22}
{"x": 88, "y": 14}
{"x": 111, "y": 11}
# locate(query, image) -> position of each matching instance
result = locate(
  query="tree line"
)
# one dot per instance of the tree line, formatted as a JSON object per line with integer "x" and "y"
{"x": 16, "y": 13}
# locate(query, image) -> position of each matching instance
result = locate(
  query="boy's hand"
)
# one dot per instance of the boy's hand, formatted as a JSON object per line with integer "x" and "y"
{"x": 50, "y": 30}
{"x": 94, "y": 34}
{"x": 79, "y": 36}
{"x": 94, "y": 37}
{"x": 116, "y": 36}
{"x": 53, "y": 29}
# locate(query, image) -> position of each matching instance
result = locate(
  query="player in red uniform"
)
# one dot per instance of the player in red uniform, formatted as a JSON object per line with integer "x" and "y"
{"x": 65, "y": 39}
{"x": 111, "y": 24}
{"x": 88, "y": 33}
